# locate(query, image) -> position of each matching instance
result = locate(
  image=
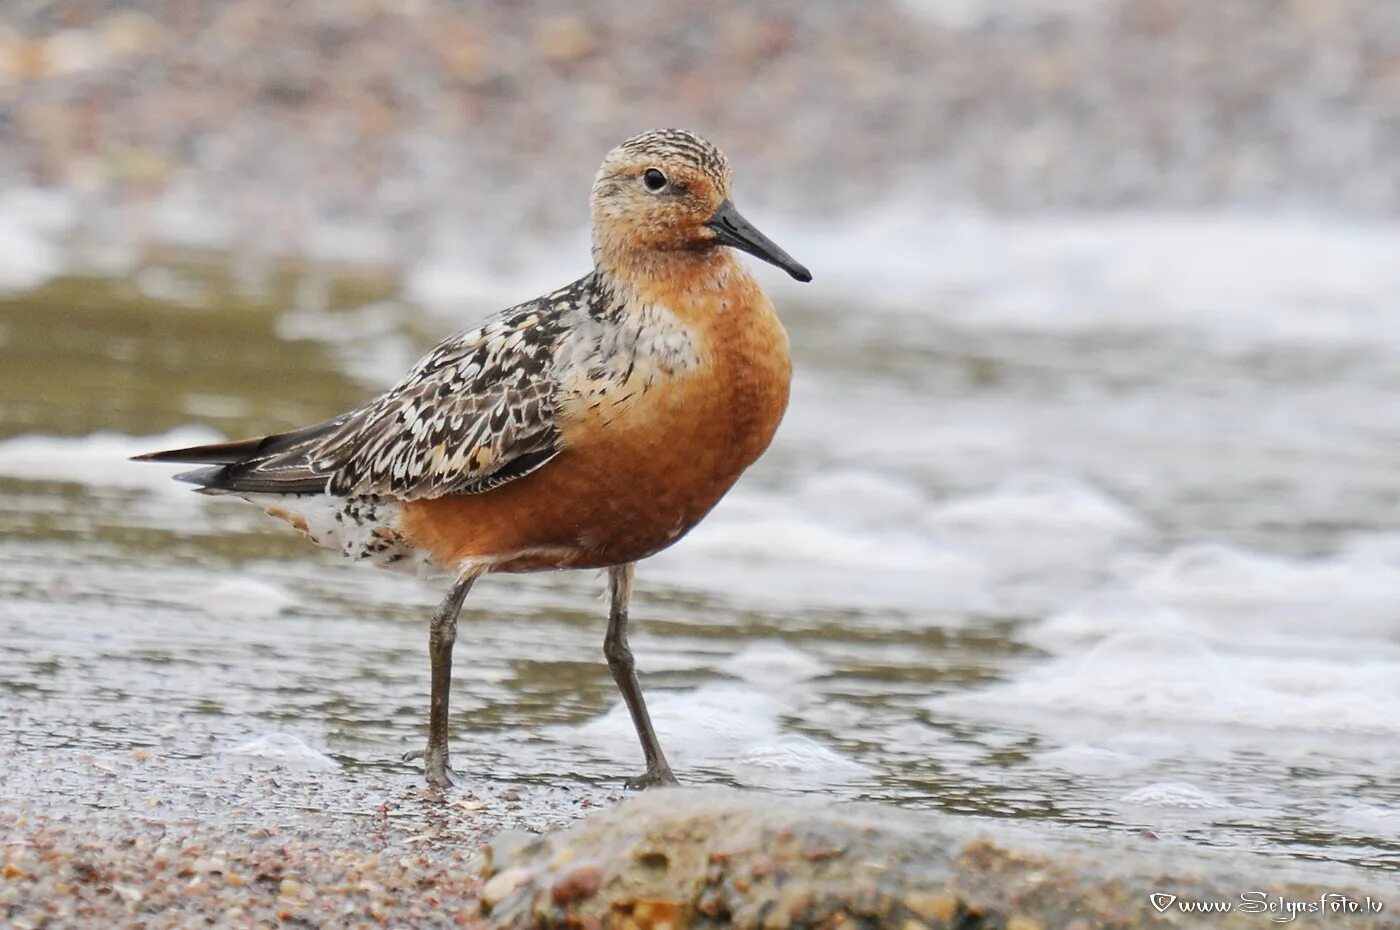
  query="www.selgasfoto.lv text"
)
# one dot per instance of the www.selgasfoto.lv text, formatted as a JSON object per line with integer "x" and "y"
{"x": 1275, "y": 907}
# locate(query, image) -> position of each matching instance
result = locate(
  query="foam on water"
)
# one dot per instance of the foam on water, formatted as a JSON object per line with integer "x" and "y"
{"x": 1137, "y": 678}
{"x": 1086, "y": 759}
{"x": 763, "y": 550}
{"x": 1382, "y": 548}
{"x": 773, "y": 664}
{"x": 1174, "y": 794}
{"x": 1042, "y": 536}
{"x": 860, "y": 497}
{"x": 1269, "y": 597}
{"x": 1234, "y": 653}
{"x": 1241, "y": 279}
{"x": 883, "y": 543}
{"x": 791, "y": 761}
{"x": 725, "y": 726}
{"x": 284, "y": 750}
{"x": 1367, "y": 819}
{"x": 929, "y": 443}
{"x": 1105, "y": 614}
{"x": 1239, "y": 600}
{"x": 709, "y": 724}
{"x": 243, "y": 596}
{"x": 1040, "y": 505}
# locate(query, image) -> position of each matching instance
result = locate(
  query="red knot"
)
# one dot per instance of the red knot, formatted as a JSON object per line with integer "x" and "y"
{"x": 588, "y": 428}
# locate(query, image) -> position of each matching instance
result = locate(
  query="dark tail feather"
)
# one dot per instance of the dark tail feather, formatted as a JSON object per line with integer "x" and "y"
{"x": 271, "y": 464}
{"x": 248, "y": 479}
{"x": 206, "y": 480}
{"x": 218, "y": 453}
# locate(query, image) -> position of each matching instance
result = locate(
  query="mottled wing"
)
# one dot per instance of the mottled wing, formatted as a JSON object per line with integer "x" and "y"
{"x": 476, "y": 412}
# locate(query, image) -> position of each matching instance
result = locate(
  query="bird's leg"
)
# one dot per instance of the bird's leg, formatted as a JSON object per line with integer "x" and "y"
{"x": 442, "y": 633}
{"x": 624, "y": 673}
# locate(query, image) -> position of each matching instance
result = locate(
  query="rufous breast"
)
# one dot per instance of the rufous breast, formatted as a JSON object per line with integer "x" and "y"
{"x": 645, "y": 455}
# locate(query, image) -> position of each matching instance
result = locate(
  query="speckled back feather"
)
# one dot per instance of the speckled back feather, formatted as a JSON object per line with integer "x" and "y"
{"x": 476, "y": 412}
{"x": 482, "y": 408}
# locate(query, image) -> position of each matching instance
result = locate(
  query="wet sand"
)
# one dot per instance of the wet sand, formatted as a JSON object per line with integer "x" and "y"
{"x": 151, "y": 840}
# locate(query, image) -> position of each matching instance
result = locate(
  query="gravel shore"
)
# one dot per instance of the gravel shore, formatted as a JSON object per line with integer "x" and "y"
{"x": 158, "y": 875}
{"x": 400, "y": 126}
{"x": 670, "y": 859}
{"x": 271, "y": 849}
{"x": 157, "y": 838}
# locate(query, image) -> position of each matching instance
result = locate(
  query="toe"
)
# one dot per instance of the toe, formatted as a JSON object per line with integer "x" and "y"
{"x": 656, "y": 779}
{"x": 439, "y": 774}
{"x": 444, "y": 777}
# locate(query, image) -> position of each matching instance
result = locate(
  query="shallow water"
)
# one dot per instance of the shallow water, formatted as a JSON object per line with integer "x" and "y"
{"x": 1089, "y": 523}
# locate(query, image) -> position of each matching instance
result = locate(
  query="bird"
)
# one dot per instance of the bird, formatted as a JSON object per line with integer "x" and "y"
{"x": 588, "y": 428}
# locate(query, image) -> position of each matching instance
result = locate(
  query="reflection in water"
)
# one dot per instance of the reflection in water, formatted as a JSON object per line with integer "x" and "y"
{"x": 1121, "y": 570}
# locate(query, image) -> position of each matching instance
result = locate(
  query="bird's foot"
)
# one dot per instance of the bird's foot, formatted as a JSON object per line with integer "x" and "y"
{"x": 654, "y": 777}
{"x": 435, "y": 768}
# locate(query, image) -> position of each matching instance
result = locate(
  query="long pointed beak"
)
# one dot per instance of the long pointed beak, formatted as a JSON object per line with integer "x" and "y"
{"x": 733, "y": 230}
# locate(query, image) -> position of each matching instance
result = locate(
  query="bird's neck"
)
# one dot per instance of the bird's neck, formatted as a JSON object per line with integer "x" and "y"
{"x": 677, "y": 279}
{"x": 698, "y": 308}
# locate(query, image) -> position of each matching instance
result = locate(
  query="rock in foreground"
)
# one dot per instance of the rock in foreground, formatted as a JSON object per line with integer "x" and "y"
{"x": 698, "y": 859}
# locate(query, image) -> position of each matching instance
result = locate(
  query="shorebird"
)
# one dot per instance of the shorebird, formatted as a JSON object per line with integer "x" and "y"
{"x": 585, "y": 429}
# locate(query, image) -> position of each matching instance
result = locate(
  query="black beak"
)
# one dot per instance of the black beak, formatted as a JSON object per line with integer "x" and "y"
{"x": 733, "y": 230}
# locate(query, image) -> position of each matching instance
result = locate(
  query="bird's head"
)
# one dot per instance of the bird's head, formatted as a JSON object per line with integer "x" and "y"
{"x": 665, "y": 193}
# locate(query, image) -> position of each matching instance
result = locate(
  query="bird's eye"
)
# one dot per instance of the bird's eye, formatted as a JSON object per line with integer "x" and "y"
{"x": 653, "y": 179}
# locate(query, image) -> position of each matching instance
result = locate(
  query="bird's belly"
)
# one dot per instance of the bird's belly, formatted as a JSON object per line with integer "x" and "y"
{"x": 636, "y": 474}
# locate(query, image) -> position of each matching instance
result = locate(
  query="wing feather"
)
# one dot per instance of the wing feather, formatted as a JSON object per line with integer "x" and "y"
{"x": 476, "y": 412}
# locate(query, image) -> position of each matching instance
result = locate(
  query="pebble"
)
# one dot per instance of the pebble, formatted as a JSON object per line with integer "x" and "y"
{"x": 577, "y": 884}
{"x": 133, "y": 872}
{"x": 500, "y": 885}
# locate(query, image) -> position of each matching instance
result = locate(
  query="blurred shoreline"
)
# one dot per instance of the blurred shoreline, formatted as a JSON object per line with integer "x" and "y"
{"x": 378, "y": 132}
